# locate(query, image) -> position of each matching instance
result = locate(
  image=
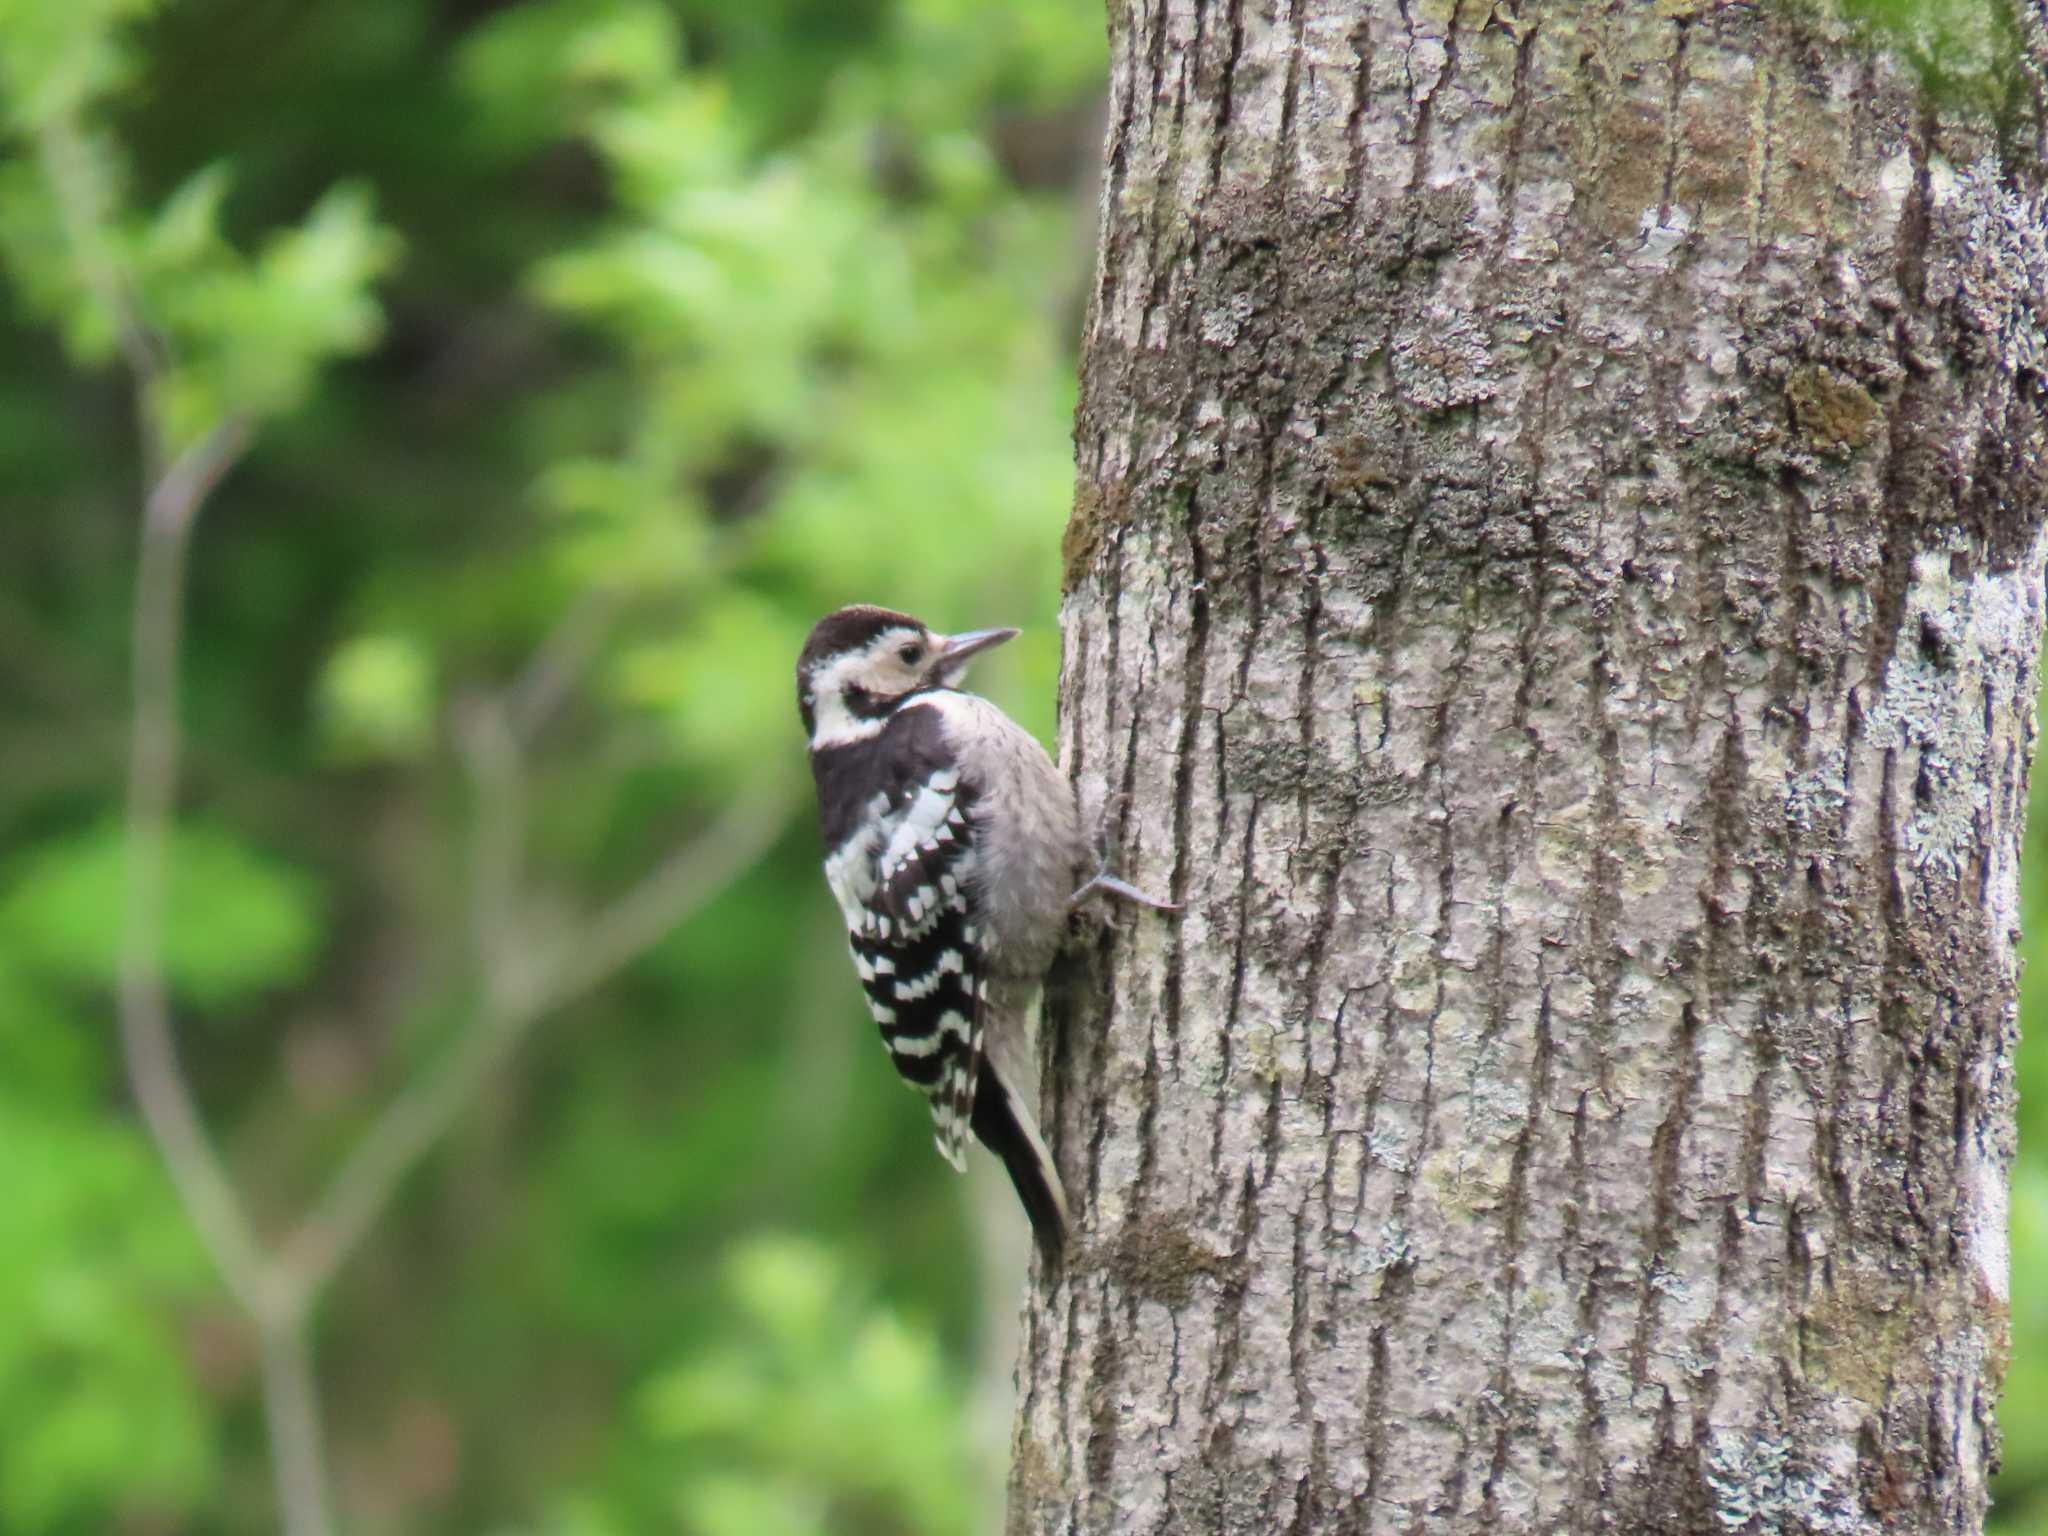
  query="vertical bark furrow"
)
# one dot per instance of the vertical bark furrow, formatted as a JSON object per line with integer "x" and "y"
{"x": 1579, "y": 487}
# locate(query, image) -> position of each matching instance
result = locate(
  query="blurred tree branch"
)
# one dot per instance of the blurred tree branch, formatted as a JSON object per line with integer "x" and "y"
{"x": 279, "y": 1285}
{"x": 151, "y": 1053}
{"x": 512, "y": 992}
{"x": 149, "y": 1047}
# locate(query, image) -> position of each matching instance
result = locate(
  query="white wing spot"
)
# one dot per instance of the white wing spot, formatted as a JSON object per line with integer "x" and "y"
{"x": 919, "y": 987}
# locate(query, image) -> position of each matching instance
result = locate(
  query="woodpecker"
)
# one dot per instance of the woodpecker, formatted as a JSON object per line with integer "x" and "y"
{"x": 955, "y": 850}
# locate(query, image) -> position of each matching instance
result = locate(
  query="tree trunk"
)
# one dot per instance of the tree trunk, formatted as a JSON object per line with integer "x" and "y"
{"x": 1555, "y": 590}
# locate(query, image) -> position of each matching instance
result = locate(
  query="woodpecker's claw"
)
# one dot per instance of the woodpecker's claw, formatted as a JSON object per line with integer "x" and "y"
{"x": 1107, "y": 817}
{"x": 1123, "y": 890}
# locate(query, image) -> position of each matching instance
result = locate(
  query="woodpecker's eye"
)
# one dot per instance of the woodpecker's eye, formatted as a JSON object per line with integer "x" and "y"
{"x": 912, "y": 653}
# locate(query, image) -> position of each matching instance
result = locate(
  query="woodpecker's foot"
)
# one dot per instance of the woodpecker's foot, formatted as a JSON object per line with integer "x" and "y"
{"x": 1108, "y": 885}
{"x": 1108, "y": 817}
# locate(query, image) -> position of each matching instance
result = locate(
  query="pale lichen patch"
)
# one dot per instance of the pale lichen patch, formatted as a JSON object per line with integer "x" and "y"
{"x": 1768, "y": 1481}
{"x": 1814, "y": 798}
{"x": 1956, "y": 648}
{"x": 1442, "y": 362}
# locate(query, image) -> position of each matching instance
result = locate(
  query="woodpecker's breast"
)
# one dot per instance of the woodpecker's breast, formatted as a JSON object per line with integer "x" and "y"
{"x": 1027, "y": 831}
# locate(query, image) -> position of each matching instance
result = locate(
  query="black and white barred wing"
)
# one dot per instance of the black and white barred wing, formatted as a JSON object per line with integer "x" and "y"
{"x": 920, "y": 956}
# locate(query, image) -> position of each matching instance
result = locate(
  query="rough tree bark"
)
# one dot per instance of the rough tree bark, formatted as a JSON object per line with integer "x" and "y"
{"x": 1555, "y": 578}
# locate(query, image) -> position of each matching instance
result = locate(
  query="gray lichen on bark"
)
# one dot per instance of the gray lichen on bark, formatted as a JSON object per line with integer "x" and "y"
{"x": 1555, "y": 590}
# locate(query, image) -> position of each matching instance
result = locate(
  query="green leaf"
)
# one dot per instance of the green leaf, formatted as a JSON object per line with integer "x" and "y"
{"x": 186, "y": 230}
{"x": 58, "y": 56}
{"x": 730, "y": 1505}
{"x": 377, "y": 699}
{"x": 44, "y": 1048}
{"x": 237, "y": 922}
{"x": 253, "y": 335}
{"x": 720, "y": 682}
{"x": 92, "y": 1378}
{"x": 817, "y": 1401}
{"x": 530, "y": 68}
{"x": 42, "y": 255}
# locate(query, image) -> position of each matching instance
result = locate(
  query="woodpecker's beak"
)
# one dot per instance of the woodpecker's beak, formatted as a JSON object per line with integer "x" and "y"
{"x": 957, "y": 650}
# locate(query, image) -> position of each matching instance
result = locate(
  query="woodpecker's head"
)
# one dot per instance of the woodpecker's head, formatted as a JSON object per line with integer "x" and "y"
{"x": 860, "y": 663}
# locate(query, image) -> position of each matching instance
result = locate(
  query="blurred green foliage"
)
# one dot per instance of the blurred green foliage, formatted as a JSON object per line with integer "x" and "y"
{"x": 591, "y": 348}
{"x": 2022, "y": 1490}
{"x": 623, "y": 334}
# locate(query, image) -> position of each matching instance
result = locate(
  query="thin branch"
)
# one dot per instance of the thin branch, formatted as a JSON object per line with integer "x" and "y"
{"x": 497, "y": 838}
{"x": 147, "y": 1042}
{"x": 278, "y": 1289}
{"x": 174, "y": 502}
{"x": 561, "y": 658}
{"x": 411, "y": 1124}
{"x": 675, "y": 889}
{"x": 291, "y": 1409}
{"x": 149, "y": 1049}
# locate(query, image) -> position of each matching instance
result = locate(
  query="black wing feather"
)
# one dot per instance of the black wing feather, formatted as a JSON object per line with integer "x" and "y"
{"x": 914, "y": 941}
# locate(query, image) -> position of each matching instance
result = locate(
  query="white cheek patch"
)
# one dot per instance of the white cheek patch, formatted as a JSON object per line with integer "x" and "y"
{"x": 874, "y": 668}
{"x": 838, "y": 726}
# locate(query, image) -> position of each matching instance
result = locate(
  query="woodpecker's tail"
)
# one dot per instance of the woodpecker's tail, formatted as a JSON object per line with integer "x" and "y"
{"x": 1003, "y": 1124}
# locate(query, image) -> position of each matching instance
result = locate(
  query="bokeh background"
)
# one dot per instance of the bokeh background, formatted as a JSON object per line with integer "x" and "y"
{"x": 588, "y": 349}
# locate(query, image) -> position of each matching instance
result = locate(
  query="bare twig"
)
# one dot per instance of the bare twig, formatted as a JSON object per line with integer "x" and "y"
{"x": 279, "y": 1287}
{"x": 558, "y": 662}
{"x": 497, "y": 841}
{"x": 177, "y": 491}
{"x": 676, "y": 889}
{"x": 148, "y": 1045}
{"x": 291, "y": 1410}
{"x": 150, "y": 1050}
